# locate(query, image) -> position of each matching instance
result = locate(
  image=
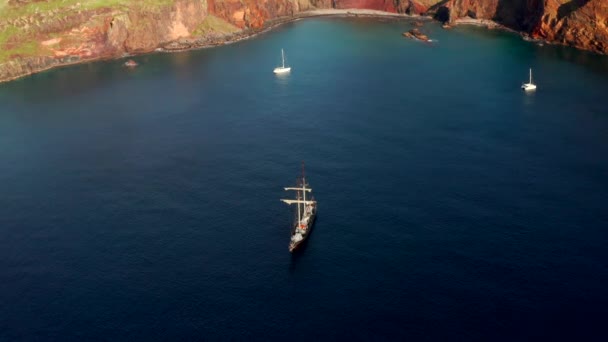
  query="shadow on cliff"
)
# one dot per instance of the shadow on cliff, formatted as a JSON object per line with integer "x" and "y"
{"x": 440, "y": 11}
{"x": 520, "y": 15}
{"x": 569, "y": 7}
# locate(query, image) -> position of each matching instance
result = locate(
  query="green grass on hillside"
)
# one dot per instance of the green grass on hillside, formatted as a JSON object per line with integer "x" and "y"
{"x": 23, "y": 40}
{"x": 12, "y": 43}
{"x": 31, "y": 48}
{"x": 216, "y": 25}
{"x": 11, "y": 12}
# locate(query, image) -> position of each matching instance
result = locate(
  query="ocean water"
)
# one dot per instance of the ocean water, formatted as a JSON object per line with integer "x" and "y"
{"x": 143, "y": 205}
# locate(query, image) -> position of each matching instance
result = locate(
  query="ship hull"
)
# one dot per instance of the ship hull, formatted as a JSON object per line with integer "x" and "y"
{"x": 293, "y": 246}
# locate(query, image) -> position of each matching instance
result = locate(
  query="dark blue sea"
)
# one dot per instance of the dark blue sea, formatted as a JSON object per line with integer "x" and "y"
{"x": 143, "y": 205}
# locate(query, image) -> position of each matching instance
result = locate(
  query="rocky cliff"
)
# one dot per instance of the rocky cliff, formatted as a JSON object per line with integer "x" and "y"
{"x": 39, "y": 34}
{"x": 253, "y": 13}
{"x": 579, "y": 23}
{"x": 381, "y": 5}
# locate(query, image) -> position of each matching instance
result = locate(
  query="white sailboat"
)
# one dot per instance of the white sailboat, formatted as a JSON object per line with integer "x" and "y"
{"x": 529, "y": 86}
{"x": 282, "y": 69}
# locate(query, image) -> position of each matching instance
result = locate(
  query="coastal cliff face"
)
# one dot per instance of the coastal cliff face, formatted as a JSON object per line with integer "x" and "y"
{"x": 579, "y": 23}
{"x": 517, "y": 14}
{"x": 45, "y": 36}
{"x": 253, "y": 13}
{"x": 39, "y": 34}
{"x": 380, "y": 5}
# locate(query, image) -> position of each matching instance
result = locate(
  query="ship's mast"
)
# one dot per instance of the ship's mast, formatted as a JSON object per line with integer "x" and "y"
{"x": 303, "y": 187}
{"x": 299, "y": 216}
{"x": 300, "y": 199}
{"x": 283, "y": 57}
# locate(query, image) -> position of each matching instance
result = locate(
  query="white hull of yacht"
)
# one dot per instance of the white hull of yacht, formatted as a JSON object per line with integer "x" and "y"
{"x": 281, "y": 70}
{"x": 528, "y": 87}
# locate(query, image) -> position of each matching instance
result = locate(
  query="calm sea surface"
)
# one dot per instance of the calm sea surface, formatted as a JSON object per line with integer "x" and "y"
{"x": 144, "y": 204}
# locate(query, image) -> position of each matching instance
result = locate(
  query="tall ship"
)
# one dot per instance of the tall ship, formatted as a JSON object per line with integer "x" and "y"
{"x": 306, "y": 212}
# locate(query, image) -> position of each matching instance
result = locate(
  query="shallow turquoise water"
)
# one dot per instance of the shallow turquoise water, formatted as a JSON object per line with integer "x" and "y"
{"x": 143, "y": 204}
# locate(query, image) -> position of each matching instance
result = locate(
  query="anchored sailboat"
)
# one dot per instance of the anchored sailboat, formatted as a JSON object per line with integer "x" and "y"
{"x": 529, "y": 86}
{"x": 282, "y": 69}
{"x": 307, "y": 212}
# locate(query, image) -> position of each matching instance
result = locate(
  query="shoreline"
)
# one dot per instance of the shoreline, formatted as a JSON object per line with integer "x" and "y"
{"x": 215, "y": 40}
{"x": 486, "y": 23}
{"x": 195, "y": 43}
{"x": 492, "y": 25}
{"x": 203, "y": 42}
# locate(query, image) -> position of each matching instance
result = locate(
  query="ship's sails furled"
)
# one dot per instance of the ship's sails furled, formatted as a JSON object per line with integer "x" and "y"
{"x": 306, "y": 213}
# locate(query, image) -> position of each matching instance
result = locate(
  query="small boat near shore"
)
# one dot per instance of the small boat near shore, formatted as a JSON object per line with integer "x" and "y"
{"x": 131, "y": 63}
{"x": 530, "y": 86}
{"x": 282, "y": 69}
{"x": 306, "y": 213}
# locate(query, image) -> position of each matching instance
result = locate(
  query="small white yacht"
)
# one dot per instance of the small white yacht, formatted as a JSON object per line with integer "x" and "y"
{"x": 282, "y": 69}
{"x": 529, "y": 86}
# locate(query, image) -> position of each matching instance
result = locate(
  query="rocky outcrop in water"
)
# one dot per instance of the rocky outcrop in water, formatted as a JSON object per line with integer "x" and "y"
{"x": 416, "y": 34}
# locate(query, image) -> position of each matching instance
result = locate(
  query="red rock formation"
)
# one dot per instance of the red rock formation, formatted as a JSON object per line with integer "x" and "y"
{"x": 416, "y": 7}
{"x": 482, "y": 9}
{"x": 579, "y": 23}
{"x": 380, "y": 5}
{"x": 321, "y": 3}
{"x": 251, "y": 13}
{"x": 147, "y": 29}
